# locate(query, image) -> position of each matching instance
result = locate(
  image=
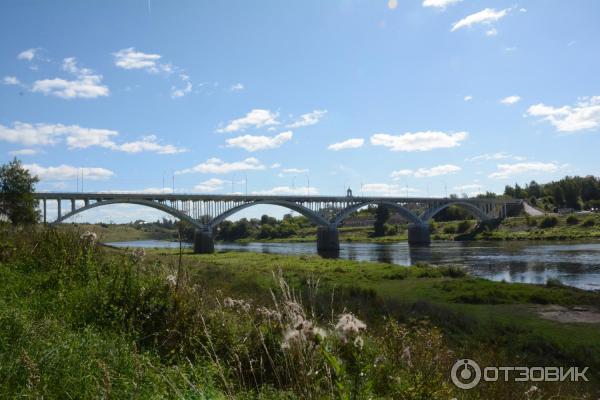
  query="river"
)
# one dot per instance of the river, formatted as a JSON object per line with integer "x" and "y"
{"x": 574, "y": 263}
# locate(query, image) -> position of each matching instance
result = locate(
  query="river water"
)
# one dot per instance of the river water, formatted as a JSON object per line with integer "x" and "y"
{"x": 574, "y": 263}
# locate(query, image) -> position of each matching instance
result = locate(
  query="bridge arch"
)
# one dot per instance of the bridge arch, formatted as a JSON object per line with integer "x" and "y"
{"x": 405, "y": 212}
{"x": 308, "y": 213}
{"x": 148, "y": 203}
{"x": 468, "y": 207}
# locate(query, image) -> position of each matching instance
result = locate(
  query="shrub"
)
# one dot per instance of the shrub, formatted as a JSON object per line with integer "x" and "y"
{"x": 554, "y": 282}
{"x": 588, "y": 223}
{"x": 549, "y": 222}
{"x": 463, "y": 226}
{"x": 572, "y": 220}
{"x": 531, "y": 221}
{"x": 450, "y": 229}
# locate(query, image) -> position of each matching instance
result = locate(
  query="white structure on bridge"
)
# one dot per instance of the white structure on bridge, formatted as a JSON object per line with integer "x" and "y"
{"x": 205, "y": 212}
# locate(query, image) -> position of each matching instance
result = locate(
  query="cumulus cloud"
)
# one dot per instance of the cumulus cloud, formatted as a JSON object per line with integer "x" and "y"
{"x": 11, "y": 80}
{"x": 286, "y": 190}
{"x": 346, "y": 144}
{"x": 66, "y": 172}
{"x": 441, "y": 4}
{"x": 129, "y": 58}
{"x": 508, "y": 170}
{"x": 256, "y": 118}
{"x": 255, "y": 143}
{"x": 87, "y": 84}
{"x": 218, "y": 166}
{"x": 27, "y": 55}
{"x": 308, "y": 119}
{"x": 236, "y": 87}
{"x": 77, "y": 137}
{"x": 386, "y": 189}
{"x": 570, "y": 118}
{"x": 419, "y": 141}
{"x": 510, "y": 100}
{"x": 177, "y": 92}
{"x": 486, "y": 16}
{"x": 210, "y": 185}
{"x": 426, "y": 172}
{"x": 23, "y": 152}
{"x": 495, "y": 156}
{"x": 468, "y": 98}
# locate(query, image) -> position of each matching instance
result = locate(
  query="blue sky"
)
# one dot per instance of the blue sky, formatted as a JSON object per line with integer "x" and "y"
{"x": 424, "y": 97}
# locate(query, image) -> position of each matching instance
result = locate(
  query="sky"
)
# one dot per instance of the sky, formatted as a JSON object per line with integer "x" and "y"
{"x": 387, "y": 97}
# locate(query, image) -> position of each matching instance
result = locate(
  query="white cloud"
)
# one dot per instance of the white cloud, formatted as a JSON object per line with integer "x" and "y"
{"x": 236, "y": 87}
{"x": 294, "y": 170}
{"x": 255, "y": 143}
{"x": 386, "y": 189}
{"x": 486, "y": 16}
{"x": 510, "y": 100}
{"x": 210, "y": 185}
{"x": 308, "y": 119}
{"x": 396, "y": 175}
{"x": 426, "y": 172}
{"x": 66, "y": 172}
{"x": 495, "y": 156}
{"x": 87, "y": 85}
{"x": 275, "y": 165}
{"x": 129, "y": 58}
{"x": 507, "y": 170}
{"x": 28, "y": 54}
{"x": 77, "y": 137}
{"x": 180, "y": 92}
{"x": 286, "y": 190}
{"x": 419, "y": 141}
{"x": 347, "y": 144}
{"x": 583, "y": 115}
{"x": 491, "y": 32}
{"x": 439, "y": 3}
{"x": 23, "y": 152}
{"x": 468, "y": 98}
{"x": 11, "y": 80}
{"x": 256, "y": 118}
{"x": 217, "y": 166}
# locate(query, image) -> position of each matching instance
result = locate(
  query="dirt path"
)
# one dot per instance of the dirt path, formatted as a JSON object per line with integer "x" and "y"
{"x": 586, "y": 315}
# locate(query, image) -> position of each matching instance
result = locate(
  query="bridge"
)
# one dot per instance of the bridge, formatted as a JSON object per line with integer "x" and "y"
{"x": 205, "y": 212}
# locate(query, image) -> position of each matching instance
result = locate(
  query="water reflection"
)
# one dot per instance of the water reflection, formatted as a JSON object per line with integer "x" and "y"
{"x": 576, "y": 264}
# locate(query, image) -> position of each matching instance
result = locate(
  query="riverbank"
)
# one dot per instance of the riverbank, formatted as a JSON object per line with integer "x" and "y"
{"x": 98, "y": 322}
{"x": 565, "y": 227}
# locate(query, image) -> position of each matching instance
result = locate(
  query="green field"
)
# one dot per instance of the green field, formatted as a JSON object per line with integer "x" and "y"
{"x": 78, "y": 320}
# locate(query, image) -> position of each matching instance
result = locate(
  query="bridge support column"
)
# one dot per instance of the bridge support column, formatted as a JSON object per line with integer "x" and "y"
{"x": 203, "y": 241}
{"x": 418, "y": 234}
{"x": 328, "y": 238}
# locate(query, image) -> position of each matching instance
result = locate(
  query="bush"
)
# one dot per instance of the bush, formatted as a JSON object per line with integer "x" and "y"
{"x": 572, "y": 220}
{"x": 588, "y": 223}
{"x": 531, "y": 221}
{"x": 554, "y": 282}
{"x": 463, "y": 226}
{"x": 450, "y": 229}
{"x": 548, "y": 222}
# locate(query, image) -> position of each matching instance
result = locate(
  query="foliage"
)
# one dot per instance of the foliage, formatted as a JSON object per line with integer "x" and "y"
{"x": 549, "y": 222}
{"x": 17, "y": 187}
{"x": 572, "y": 220}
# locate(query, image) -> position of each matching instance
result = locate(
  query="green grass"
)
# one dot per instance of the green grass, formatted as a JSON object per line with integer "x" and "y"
{"x": 84, "y": 321}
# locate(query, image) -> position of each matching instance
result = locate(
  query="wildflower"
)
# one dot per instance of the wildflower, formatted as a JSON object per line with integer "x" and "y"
{"x": 138, "y": 255}
{"x": 268, "y": 313}
{"x": 358, "y": 342}
{"x": 245, "y": 306}
{"x": 349, "y": 326}
{"x": 303, "y": 332}
{"x": 89, "y": 237}
{"x": 406, "y": 356}
{"x": 172, "y": 280}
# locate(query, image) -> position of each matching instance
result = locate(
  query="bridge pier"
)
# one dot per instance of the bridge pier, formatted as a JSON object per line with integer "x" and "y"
{"x": 203, "y": 242}
{"x": 419, "y": 234}
{"x": 328, "y": 239}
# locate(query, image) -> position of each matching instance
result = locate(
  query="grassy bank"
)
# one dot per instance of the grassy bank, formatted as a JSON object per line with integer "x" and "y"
{"x": 82, "y": 321}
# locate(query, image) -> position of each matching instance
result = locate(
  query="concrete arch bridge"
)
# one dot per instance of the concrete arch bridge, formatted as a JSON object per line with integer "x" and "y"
{"x": 205, "y": 212}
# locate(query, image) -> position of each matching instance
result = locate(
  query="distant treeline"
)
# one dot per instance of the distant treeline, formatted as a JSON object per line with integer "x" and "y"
{"x": 578, "y": 193}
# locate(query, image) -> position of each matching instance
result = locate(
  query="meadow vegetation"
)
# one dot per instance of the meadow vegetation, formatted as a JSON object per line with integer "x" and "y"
{"x": 79, "y": 320}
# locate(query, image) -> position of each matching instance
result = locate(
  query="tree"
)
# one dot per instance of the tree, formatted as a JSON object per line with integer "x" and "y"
{"x": 381, "y": 217}
{"x": 17, "y": 187}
